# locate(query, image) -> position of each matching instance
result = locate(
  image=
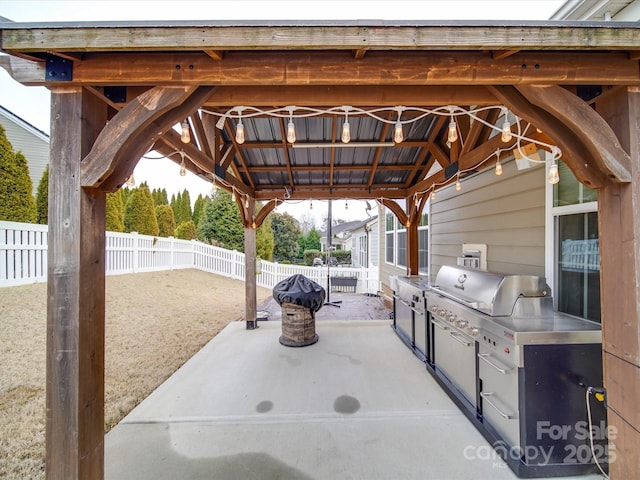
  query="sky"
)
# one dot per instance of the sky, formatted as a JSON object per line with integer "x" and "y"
{"x": 32, "y": 103}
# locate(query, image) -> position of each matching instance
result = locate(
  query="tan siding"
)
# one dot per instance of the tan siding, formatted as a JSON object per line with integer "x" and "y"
{"x": 506, "y": 213}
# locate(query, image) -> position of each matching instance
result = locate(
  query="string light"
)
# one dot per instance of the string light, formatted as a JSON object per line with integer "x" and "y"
{"x": 346, "y": 130}
{"x": 246, "y": 201}
{"x": 452, "y": 134}
{"x": 214, "y": 187}
{"x": 398, "y": 135}
{"x": 183, "y": 169}
{"x": 240, "y": 132}
{"x": 233, "y": 194}
{"x": 553, "y": 176}
{"x": 379, "y": 114}
{"x": 310, "y": 204}
{"x": 506, "y": 132}
{"x": 433, "y": 194}
{"x": 131, "y": 181}
{"x": 346, "y": 205}
{"x": 185, "y": 135}
{"x": 291, "y": 129}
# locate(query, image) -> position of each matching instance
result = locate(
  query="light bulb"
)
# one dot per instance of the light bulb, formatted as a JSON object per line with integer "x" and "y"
{"x": 311, "y": 205}
{"x": 506, "y": 132}
{"x": 433, "y": 195}
{"x": 398, "y": 136}
{"x": 233, "y": 195}
{"x": 458, "y": 184}
{"x": 246, "y": 201}
{"x": 240, "y": 132}
{"x": 346, "y": 132}
{"x": 346, "y": 205}
{"x": 291, "y": 132}
{"x": 183, "y": 169}
{"x": 553, "y": 176}
{"x": 185, "y": 136}
{"x": 498, "y": 167}
{"x": 131, "y": 181}
{"x": 214, "y": 187}
{"x": 453, "y": 131}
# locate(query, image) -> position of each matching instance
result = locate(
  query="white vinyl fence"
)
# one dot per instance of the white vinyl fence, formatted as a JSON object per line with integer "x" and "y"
{"x": 23, "y": 259}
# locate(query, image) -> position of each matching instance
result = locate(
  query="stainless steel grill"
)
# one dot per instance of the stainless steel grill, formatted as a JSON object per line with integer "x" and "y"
{"x": 502, "y": 353}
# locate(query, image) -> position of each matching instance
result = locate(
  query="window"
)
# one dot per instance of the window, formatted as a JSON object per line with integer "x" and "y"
{"x": 576, "y": 252}
{"x": 389, "y": 236}
{"x": 401, "y": 251}
{"x": 396, "y": 243}
{"x": 578, "y": 265}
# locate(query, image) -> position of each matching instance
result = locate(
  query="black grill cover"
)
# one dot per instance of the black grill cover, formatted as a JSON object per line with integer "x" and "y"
{"x": 300, "y": 290}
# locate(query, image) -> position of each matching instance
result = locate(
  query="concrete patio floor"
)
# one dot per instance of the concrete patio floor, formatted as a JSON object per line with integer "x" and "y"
{"x": 357, "y": 404}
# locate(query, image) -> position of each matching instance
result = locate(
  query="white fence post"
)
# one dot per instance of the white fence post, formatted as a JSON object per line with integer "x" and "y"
{"x": 136, "y": 251}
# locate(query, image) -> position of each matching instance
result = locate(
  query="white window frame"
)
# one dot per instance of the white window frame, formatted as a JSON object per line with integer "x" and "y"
{"x": 551, "y": 232}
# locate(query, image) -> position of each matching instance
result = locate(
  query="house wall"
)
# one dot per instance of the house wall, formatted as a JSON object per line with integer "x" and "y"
{"x": 33, "y": 143}
{"x": 386, "y": 270}
{"x": 374, "y": 242}
{"x": 507, "y": 213}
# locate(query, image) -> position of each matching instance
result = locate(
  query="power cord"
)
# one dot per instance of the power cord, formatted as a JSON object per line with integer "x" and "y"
{"x": 600, "y": 395}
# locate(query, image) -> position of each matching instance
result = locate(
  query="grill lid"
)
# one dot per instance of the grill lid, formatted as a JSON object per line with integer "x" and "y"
{"x": 491, "y": 293}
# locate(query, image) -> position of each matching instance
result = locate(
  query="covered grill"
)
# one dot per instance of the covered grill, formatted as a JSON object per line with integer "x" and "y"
{"x": 515, "y": 367}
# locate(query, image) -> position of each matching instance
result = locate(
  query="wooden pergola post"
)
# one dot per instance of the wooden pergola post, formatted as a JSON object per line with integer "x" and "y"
{"x": 76, "y": 294}
{"x": 251, "y": 311}
{"x": 619, "y": 232}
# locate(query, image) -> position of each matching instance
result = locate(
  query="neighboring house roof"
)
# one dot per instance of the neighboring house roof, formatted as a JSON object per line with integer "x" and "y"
{"x": 29, "y": 140}
{"x": 615, "y": 10}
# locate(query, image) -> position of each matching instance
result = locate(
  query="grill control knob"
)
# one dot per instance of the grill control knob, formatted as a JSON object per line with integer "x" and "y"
{"x": 474, "y": 331}
{"x": 451, "y": 318}
{"x": 433, "y": 308}
{"x": 442, "y": 312}
{"x": 462, "y": 323}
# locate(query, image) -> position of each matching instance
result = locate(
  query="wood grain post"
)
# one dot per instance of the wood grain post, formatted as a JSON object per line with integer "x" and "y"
{"x": 619, "y": 231}
{"x": 251, "y": 312}
{"x": 75, "y": 295}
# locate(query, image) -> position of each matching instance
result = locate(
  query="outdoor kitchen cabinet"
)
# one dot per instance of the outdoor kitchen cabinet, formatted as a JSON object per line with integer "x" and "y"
{"x": 410, "y": 315}
{"x": 519, "y": 371}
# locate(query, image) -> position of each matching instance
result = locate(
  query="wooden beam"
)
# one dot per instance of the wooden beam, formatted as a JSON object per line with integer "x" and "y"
{"x": 467, "y": 161}
{"x": 500, "y": 54}
{"x": 321, "y": 192}
{"x": 619, "y": 237}
{"x": 251, "y": 312}
{"x": 217, "y": 55}
{"x": 396, "y": 209}
{"x": 377, "y": 68}
{"x": 194, "y": 156}
{"x": 373, "y": 35}
{"x": 264, "y": 211}
{"x": 586, "y": 124}
{"x": 226, "y": 97}
{"x": 129, "y": 132}
{"x": 339, "y": 68}
{"x": 574, "y": 153}
{"x": 378, "y": 153}
{"x": 76, "y": 294}
{"x": 285, "y": 149}
{"x": 210, "y": 136}
{"x": 359, "y": 54}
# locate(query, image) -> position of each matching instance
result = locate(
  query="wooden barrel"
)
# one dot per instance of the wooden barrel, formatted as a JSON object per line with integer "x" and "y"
{"x": 298, "y": 326}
